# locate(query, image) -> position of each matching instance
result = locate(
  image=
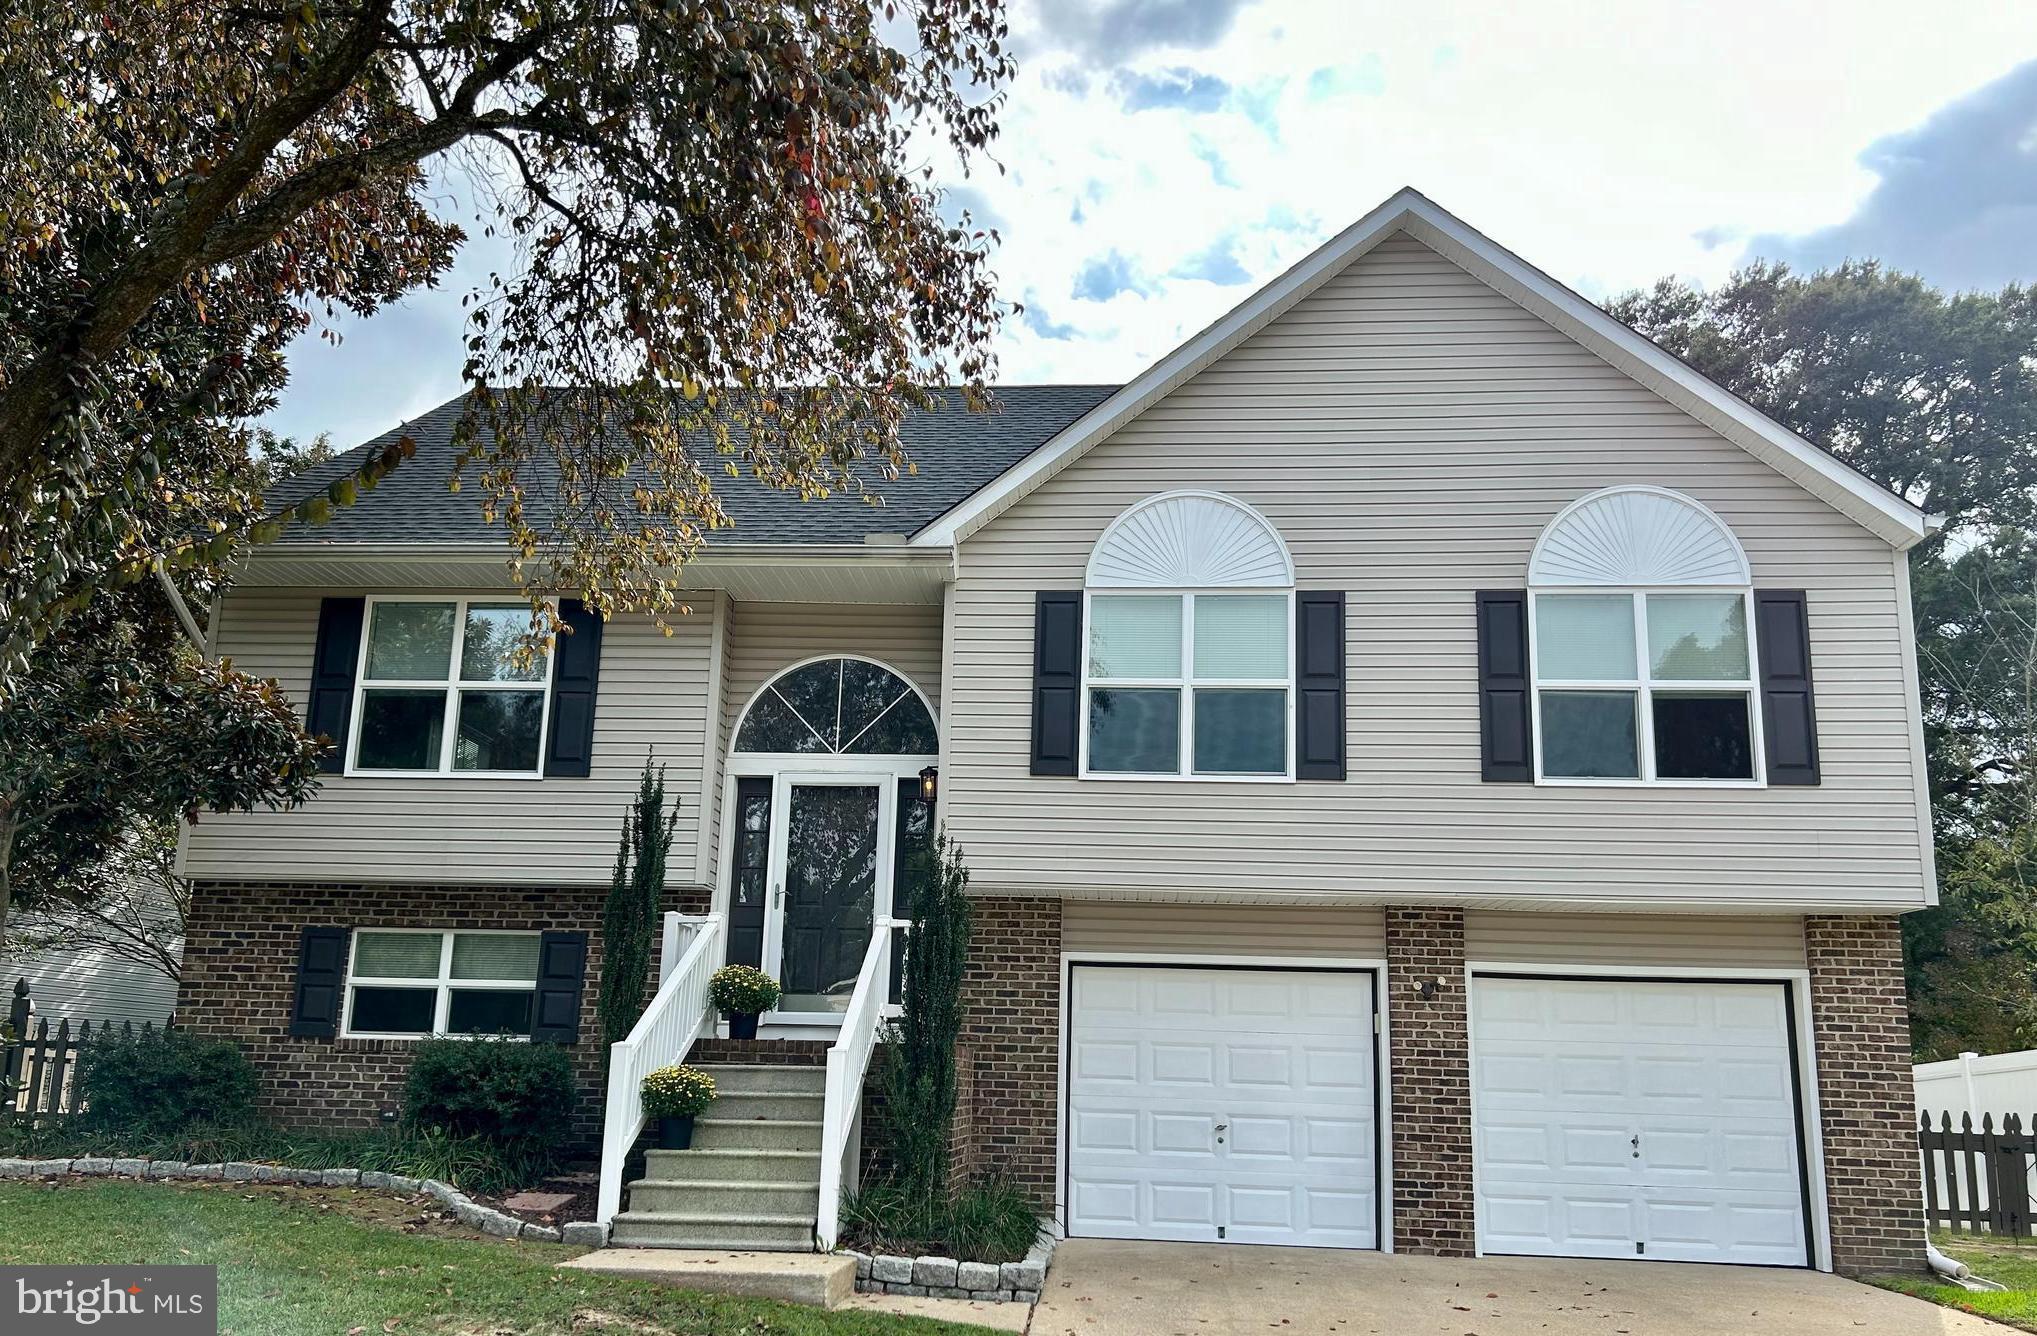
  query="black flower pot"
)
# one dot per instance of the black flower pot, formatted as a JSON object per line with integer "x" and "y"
{"x": 742, "y": 1025}
{"x": 675, "y": 1133}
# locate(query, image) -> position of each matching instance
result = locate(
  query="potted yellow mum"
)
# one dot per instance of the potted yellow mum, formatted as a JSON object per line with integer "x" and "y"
{"x": 744, "y": 992}
{"x": 675, "y": 1096}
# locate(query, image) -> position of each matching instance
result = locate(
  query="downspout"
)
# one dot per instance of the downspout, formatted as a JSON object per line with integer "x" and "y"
{"x": 182, "y": 609}
{"x": 1957, "y": 1272}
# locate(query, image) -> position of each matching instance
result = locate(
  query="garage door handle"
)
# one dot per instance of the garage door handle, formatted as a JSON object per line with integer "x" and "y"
{"x": 1637, "y": 1145}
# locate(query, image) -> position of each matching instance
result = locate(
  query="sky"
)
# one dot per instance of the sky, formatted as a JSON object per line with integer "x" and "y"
{"x": 1163, "y": 158}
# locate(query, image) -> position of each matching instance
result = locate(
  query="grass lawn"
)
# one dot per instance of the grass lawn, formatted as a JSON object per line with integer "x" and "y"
{"x": 2011, "y": 1262}
{"x": 294, "y": 1265}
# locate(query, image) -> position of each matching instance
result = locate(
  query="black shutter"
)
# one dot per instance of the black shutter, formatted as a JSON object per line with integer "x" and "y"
{"x": 1057, "y": 681}
{"x": 1319, "y": 685}
{"x": 321, "y": 977}
{"x": 576, "y": 671}
{"x": 1789, "y": 715}
{"x": 332, "y": 677}
{"x": 1505, "y": 720}
{"x": 562, "y": 964}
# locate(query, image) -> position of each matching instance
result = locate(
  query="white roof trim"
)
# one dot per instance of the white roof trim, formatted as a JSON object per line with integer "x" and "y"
{"x": 1889, "y": 517}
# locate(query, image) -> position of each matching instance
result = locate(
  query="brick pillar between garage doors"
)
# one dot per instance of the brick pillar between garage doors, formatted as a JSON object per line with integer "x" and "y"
{"x": 1429, "y": 1056}
{"x": 1861, "y": 1027}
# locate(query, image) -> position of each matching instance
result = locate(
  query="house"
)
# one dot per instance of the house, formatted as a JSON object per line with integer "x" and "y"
{"x": 1437, "y": 773}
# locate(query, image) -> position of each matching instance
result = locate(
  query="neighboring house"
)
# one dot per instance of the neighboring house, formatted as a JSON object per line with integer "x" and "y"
{"x": 1438, "y": 774}
{"x": 95, "y": 964}
{"x": 89, "y": 983}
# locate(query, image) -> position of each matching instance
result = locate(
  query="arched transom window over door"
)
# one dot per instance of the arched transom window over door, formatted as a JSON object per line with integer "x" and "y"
{"x": 839, "y": 707}
{"x": 824, "y": 824}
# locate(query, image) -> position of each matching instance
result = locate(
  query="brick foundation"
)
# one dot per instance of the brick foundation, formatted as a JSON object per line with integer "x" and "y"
{"x": 1862, "y": 1031}
{"x": 1011, "y": 1028}
{"x": 1430, "y": 1059}
{"x": 240, "y": 965}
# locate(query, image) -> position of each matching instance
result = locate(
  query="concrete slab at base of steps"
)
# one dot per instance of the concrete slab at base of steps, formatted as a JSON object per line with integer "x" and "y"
{"x": 819, "y": 1279}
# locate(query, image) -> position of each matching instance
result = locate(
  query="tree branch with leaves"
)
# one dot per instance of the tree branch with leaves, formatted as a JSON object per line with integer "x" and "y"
{"x": 725, "y": 222}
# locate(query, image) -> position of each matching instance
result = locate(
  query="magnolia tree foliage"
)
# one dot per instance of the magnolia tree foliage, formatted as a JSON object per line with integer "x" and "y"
{"x": 110, "y": 732}
{"x": 723, "y": 220}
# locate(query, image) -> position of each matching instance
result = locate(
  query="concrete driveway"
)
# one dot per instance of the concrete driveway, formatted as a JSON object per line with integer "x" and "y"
{"x": 1102, "y": 1288}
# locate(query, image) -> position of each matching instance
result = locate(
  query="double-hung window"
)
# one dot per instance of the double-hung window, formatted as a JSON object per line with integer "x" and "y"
{"x": 441, "y": 689}
{"x": 1189, "y": 684}
{"x": 1644, "y": 685}
{"x": 404, "y": 983}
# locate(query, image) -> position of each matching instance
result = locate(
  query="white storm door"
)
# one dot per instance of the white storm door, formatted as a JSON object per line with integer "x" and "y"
{"x": 1627, "y": 1119}
{"x": 831, "y": 866}
{"x": 1222, "y": 1105}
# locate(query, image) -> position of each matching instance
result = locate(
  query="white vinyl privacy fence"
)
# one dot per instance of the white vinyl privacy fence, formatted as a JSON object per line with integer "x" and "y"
{"x": 1996, "y": 1085}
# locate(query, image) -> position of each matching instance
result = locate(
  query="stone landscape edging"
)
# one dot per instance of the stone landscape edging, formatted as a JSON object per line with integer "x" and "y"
{"x": 946, "y": 1278}
{"x": 464, "y": 1208}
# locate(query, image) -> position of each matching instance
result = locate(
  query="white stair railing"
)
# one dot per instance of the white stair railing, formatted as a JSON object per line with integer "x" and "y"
{"x": 848, "y": 1063}
{"x": 664, "y": 1034}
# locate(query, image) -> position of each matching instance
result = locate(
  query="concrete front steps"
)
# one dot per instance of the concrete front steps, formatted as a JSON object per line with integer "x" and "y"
{"x": 752, "y": 1177}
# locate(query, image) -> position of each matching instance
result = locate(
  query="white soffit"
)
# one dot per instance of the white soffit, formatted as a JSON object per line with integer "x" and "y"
{"x": 1882, "y": 513}
{"x": 1637, "y": 536}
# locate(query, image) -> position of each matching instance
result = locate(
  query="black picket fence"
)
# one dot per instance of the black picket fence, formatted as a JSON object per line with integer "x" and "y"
{"x": 1977, "y": 1179}
{"x": 39, "y": 1066}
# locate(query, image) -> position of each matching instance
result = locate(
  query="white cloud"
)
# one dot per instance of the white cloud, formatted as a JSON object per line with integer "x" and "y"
{"x": 1606, "y": 142}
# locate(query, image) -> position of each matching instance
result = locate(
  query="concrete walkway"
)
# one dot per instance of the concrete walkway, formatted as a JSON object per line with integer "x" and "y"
{"x": 1104, "y": 1288}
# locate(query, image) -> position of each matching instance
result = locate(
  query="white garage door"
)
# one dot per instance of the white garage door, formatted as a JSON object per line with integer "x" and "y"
{"x": 1209, "y": 1105}
{"x": 1627, "y": 1119}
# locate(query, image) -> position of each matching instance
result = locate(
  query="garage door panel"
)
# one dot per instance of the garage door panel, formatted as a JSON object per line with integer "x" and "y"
{"x": 1282, "y": 1059}
{"x": 1544, "y": 1224}
{"x": 1624, "y": 1112}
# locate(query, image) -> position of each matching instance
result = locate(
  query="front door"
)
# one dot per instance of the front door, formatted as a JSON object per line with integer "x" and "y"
{"x": 829, "y": 861}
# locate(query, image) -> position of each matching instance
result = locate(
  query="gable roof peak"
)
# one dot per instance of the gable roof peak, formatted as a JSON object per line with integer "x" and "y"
{"x": 1408, "y": 211}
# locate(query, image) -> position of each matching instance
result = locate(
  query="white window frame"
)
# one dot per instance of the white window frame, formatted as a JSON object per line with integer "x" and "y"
{"x": 1644, "y": 685}
{"x": 451, "y": 684}
{"x": 443, "y": 984}
{"x": 1187, "y": 684}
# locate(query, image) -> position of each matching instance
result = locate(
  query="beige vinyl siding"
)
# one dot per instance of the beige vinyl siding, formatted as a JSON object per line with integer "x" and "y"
{"x": 768, "y": 638}
{"x": 1172, "y": 928}
{"x": 1410, "y": 432}
{"x": 1693, "y": 941}
{"x": 652, "y": 700}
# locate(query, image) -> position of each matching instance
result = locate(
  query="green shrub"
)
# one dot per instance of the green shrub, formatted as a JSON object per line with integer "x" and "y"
{"x": 629, "y": 921}
{"x": 742, "y": 990}
{"x": 677, "y": 1092}
{"x": 518, "y": 1095}
{"x": 162, "y": 1080}
{"x": 918, "y": 1066}
{"x": 987, "y": 1221}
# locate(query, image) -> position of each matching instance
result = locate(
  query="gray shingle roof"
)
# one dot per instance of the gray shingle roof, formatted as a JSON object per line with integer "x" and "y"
{"x": 957, "y": 453}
